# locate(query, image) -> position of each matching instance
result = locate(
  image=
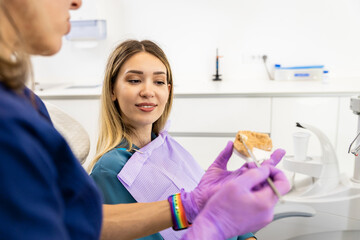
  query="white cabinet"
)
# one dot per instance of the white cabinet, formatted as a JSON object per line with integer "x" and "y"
{"x": 206, "y": 149}
{"x": 321, "y": 112}
{"x": 220, "y": 114}
{"x": 203, "y": 125}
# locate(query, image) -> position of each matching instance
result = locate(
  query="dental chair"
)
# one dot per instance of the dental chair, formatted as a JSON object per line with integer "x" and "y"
{"x": 73, "y": 132}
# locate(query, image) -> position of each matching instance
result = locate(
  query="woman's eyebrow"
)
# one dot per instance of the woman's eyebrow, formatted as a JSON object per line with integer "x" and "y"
{"x": 159, "y": 72}
{"x": 135, "y": 71}
{"x": 140, "y": 72}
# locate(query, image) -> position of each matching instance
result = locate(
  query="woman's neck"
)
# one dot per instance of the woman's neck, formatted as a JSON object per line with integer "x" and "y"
{"x": 142, "y": 136}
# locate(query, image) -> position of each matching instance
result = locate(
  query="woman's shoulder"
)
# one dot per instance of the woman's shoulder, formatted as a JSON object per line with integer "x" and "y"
{"x": 13, "y": 105}
{"x": 113, "y": 160}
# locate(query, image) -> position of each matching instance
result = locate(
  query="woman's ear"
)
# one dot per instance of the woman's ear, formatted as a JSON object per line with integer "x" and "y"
{"x": 113, "y": 96}
{"x": 169, "y": 87}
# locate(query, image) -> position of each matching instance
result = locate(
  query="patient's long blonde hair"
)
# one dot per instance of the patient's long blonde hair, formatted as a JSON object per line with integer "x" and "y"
{"x": 112, "y": 127}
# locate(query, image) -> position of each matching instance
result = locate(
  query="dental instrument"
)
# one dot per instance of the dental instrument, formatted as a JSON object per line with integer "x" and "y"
{"x": 355, "y": 150}
{"x": 217, "y": 75}
{"x": 269, "y": 73}
{"x": 355, "y": 107}
{"x": 252, "y": 156}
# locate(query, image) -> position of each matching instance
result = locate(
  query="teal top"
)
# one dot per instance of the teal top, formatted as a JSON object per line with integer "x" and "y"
{"x": 105, "y": 173}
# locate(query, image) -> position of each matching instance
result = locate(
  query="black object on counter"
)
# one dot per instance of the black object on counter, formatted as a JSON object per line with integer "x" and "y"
{"x": 217, "y": 75}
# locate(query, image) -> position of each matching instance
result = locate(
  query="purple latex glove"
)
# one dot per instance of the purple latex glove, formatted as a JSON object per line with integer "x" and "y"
{"x": 237, "y": 208}
{"x": 217, "y": 175}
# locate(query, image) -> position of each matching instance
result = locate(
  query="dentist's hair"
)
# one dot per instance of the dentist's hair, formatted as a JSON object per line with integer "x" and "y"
{"x": 113, "y": 129}
{"x": 15, "y": 69}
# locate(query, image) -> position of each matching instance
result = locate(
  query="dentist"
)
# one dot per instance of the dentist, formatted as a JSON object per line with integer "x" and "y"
{"x": 45, "y": 192}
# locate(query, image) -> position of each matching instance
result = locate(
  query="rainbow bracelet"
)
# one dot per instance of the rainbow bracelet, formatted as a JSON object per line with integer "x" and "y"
{"x": 178, "y": 216}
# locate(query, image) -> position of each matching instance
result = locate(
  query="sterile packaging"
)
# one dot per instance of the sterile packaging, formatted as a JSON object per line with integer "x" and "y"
{"x": 308, "y": 73}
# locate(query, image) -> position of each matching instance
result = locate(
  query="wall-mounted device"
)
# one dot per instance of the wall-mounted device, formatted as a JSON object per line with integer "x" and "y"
{"x": 87, "y": 31}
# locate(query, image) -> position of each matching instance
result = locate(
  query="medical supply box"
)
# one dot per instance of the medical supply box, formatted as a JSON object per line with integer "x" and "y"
{"x": 305, "y": 73}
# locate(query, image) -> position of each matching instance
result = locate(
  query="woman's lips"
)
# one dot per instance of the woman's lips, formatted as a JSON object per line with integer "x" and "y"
{"x": 68, "y": 27}
{"x": 146, "y": 107}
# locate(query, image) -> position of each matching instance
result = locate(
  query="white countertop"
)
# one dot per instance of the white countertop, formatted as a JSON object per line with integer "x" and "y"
{"x": 346, "y": 87}
{"x": 273, "y": 88}
{"x": 67, "y": 91}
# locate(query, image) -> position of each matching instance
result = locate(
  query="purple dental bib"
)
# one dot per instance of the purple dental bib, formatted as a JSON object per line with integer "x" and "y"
{"x": 159, "y": 169}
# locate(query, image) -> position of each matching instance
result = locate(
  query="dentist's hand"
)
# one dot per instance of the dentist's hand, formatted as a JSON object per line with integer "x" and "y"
{"x": 215, "y": 177}
{"x": 240, "y": 206}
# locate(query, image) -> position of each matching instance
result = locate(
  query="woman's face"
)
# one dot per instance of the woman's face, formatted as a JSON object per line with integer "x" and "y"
{"x": 141, "y": 90}
{"x": 40, "y": 23}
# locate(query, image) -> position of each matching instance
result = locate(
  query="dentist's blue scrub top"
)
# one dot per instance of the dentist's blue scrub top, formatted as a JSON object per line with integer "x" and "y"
{"x": 44, "y": 191}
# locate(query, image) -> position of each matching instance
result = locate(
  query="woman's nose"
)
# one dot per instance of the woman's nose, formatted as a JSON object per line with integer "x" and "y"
{"x": 75, "y": 4}
{"x": 147, "y": 91}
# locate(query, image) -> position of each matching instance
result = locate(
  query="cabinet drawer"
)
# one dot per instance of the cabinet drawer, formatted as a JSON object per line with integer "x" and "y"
{"x": 221, "y": 115}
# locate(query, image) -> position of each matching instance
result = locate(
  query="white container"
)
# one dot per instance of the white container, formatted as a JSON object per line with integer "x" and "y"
{"x": 301, "y": 141}
{"x": 304, "y": 73}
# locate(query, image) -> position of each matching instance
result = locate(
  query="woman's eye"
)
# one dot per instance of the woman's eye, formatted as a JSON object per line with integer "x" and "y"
{"x": 160, "y": 82}
{"x": 134, "y": 81}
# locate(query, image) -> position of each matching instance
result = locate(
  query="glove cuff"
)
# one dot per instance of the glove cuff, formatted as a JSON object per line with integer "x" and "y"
{"x": 191, "y": 209}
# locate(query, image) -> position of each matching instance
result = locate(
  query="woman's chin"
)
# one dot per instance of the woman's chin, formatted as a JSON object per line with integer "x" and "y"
{"x": 52, "y": 50}
{"x": 46, "y": 49}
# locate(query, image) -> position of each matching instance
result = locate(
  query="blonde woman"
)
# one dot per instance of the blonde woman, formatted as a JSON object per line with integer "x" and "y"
{"x": 45, "y": 193}
{"x": 137, "y": 161}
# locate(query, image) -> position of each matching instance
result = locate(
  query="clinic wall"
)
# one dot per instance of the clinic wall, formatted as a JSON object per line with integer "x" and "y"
{"x": 289, "y": 32}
